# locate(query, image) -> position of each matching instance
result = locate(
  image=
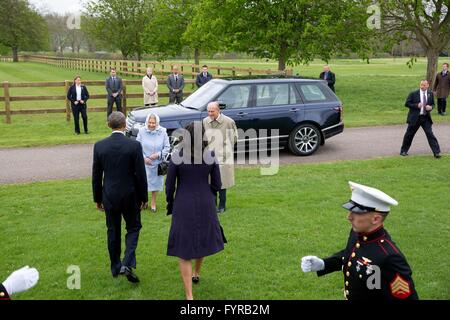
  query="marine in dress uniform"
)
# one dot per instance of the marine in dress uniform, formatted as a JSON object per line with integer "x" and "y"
{"x": 372, "y": 264}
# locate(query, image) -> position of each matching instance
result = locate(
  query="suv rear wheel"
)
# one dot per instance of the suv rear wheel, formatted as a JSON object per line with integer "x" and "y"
{"x": 304, "y": 140}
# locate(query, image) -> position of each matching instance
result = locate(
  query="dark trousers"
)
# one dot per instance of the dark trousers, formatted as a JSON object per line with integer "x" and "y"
{"x": 222, "y": 198}
{"x": 425, "y": 123}
{"x": 176, "y": 97}
{"x": 442, "y": 105}
{"x": 111, "y": 100}
{"x": 114, "y": 225}
{"x": 76, "y": 110}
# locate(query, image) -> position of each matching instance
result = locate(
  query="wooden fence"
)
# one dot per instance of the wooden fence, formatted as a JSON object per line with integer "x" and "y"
{"x": 138, "y": 68}
{"x": 7, "y": 98}
{"x": 124, "y": 67}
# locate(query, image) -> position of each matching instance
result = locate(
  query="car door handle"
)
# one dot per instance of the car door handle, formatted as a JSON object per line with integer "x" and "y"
{"x": 242, "y": 114}
{"x": 293, "y": 110}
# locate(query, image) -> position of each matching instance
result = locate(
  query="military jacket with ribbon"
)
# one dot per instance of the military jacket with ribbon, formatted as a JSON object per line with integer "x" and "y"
{"x": 373, "y": 268}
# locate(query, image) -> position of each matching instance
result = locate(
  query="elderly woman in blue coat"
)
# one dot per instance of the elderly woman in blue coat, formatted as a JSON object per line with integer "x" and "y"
{"x": 155, "y": 146}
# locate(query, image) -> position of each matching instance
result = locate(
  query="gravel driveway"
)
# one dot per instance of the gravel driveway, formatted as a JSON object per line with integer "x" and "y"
{"x": 75, "y": 161}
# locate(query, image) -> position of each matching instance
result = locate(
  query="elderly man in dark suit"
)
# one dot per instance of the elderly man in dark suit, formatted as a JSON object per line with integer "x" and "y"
{"x": 119, "y": 184}
{"x": 175, "y": 83}
{"x": 329, "y": 76}
{"x": 114, "y": 87}
{"x": 420, "y": 104}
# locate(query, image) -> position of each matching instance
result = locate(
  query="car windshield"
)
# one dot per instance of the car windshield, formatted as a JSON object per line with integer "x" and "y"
{"x": 203, "y": 95}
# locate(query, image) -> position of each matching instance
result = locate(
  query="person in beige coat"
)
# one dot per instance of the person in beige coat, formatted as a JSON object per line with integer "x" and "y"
{"x": 222, "y": 135}
{"x": 441, "y": 88}
{"x": 150, "y": 86}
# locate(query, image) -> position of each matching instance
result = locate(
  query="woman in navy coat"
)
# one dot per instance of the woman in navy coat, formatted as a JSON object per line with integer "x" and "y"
{"x": 195, "y": 231}
{"x": 78, "y": 96}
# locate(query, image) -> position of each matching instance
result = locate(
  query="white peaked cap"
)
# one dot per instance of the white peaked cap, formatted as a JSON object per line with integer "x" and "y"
{"x": 366, "y": 199}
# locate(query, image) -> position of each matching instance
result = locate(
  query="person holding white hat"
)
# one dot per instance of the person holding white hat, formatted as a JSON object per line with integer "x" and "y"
{"x": 373, "y": 266}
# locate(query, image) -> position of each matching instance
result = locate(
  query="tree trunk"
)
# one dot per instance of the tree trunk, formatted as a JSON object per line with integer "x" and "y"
{"x": 432, "y": 60}
{"x": 15, "y": 52}
{"x": 197, "y": 56}
{"x": 282, "y": 57}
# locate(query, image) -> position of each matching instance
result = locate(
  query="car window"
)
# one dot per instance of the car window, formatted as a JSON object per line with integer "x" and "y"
{"x": 275, "y": 94}
{"x": 235, "y": 96}
{"x": 315, "y": 92}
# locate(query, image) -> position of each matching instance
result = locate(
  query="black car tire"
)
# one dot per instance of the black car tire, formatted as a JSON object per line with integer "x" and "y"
{"x": 304, "y": 140}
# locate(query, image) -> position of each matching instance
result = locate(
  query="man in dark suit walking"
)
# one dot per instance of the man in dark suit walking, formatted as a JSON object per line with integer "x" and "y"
{"x": 203, "y": 77}
{"x": 114, "y": 87}
{"x": 119, "y": 185}
{"x": 420, "y": 104}
{"x": 175, "y": 83}
{"x": 329, "y": 76}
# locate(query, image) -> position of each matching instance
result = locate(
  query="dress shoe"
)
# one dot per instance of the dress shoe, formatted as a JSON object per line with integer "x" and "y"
{"x": 131, "y": 276}
{"x": 195, "y": 279}
{"x": 220, "y": 210}
{"x": 403, "y": 153}
{"x": 122, "y": 270}
{"x": 437, "y": 155}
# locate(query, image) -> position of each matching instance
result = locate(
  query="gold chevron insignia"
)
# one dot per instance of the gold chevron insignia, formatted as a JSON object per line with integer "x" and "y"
{"x": 400, "y": 287}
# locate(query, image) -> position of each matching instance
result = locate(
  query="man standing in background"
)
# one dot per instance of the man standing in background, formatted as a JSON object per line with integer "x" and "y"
{"x": 203, "y": 77}
{"x": 441, "y": 88}
{"x": 175, "y": 83}
{"x": 329, "y": 76}
{"x": 114, "y": 88}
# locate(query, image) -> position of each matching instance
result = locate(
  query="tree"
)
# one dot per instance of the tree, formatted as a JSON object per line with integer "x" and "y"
{"x": 57, "y": 30}
{"x": 426, "y": 21}
{"x": 119, "y": 24}
{"x": 291, "y": 32}
{"x": 21, "y": 27}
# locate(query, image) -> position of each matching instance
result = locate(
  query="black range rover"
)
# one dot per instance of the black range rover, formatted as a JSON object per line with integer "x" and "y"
{"x": 305, "y": 111}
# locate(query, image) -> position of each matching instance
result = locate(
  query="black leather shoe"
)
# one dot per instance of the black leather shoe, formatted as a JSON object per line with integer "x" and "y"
{"x": 195, "y": 279}
{"x": 403, "y": 153}
{"x": 131, "y": 276}
{"x": 437, "y": 155}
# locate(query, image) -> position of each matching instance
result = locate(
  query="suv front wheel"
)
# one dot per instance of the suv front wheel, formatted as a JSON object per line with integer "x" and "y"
{"x": 304, "y": 140}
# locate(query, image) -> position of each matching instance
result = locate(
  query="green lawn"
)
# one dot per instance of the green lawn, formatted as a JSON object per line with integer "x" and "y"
{"x": 271, "y": 222}
{"x": 372, "y": 94}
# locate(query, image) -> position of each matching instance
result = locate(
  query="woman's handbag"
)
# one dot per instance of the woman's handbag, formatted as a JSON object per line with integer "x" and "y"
{"x": 162, "y": 168}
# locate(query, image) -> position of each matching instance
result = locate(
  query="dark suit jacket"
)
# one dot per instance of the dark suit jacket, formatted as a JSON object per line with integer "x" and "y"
{"x": 331, "y": 79}
{"x": 172, "y": 84}
{"x": 114, "y": 86}
{"x": 118, "y": 173}
{"x": 412, "y": 103}
{"x": 201, "y": 80}
{"x": 72, "y": 94}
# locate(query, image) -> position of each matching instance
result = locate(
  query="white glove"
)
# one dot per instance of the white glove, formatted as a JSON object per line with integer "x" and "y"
{"x": 312, "y": 263}
{"x": 21, "y": 280}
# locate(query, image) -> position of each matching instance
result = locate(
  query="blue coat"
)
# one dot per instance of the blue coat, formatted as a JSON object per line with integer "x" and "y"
{"x": 156, "y": 141}
{"x": 195, "y": 231}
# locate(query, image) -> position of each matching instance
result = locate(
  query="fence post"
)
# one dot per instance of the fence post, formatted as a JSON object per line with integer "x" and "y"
{"x": 124, "y": 101}
{"x": 67, "y": 85}
{"x": 7, "y": 102}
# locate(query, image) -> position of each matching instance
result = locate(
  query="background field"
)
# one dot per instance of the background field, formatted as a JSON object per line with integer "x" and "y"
{"x": 270, "y": 224}
{"x": 372, "y": 94}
